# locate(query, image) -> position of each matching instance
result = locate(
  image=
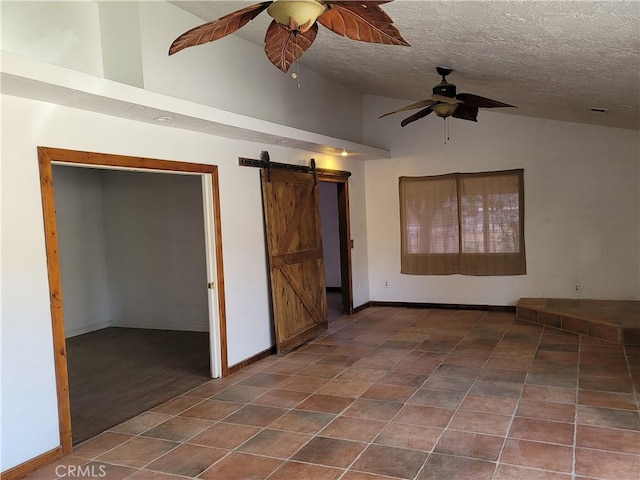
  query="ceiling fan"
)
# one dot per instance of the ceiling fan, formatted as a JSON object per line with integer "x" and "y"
{"x": 445, "y": 102}
{"x": 295, "y": 26}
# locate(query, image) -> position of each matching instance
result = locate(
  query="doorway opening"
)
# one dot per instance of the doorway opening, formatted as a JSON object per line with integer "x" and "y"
{"x": 336, "y": 265}
{"x": 334, "y": 199}
{"x": 211, "y": 281}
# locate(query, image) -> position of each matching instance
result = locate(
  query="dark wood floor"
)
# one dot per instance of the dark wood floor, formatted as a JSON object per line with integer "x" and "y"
{"x": 334, "y": 305}
{"x": 118, "y": 373}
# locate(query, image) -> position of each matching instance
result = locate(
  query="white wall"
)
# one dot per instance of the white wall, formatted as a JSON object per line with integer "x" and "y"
{"x": 330, "y": 233}
{"x": 155, "y": 250}
{"x": 110, "y": 39}
{"x": 131, "y": 250}
{"x": 238, "y": 78}
{"x": 235, "y": 75}
{"x": 81, "y": 245}
{"x": 582, "y": 206}
{"x": 62, "y": 33}
{"x": 29, "y": 408}
{"x": 120, "y": 40}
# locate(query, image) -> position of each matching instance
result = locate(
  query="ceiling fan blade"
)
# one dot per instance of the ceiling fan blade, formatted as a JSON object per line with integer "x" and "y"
{"x": 283, "y": 46}
{"x": 363, "y": 21}
{"x": 466, "y": 112}
{"x": 441, "y": 98}
{"x": 217, "y": 29}
{"x": 421, "y": 103}
{"x": 481, "y": 102}
{"x": 416, "y": 116}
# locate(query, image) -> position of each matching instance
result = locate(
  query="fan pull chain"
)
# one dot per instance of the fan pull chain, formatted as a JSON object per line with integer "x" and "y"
{"x": 446, "y": 130}
{"x": 295, "y": 75}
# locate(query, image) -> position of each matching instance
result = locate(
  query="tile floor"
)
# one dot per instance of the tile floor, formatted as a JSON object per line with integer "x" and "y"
{"x": 393, "y": 393}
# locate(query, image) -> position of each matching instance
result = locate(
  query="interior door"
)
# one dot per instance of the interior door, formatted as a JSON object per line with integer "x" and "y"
{"x": 294, "y": 243}
{"x": 213, "y": 290}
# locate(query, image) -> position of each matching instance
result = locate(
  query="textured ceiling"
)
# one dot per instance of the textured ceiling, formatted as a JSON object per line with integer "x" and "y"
{"x": 553, "y": 59}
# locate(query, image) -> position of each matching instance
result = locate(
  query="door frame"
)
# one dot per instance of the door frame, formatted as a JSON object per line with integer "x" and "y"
{"x": 344, "y": 234}
{"x": 48, "y": 156}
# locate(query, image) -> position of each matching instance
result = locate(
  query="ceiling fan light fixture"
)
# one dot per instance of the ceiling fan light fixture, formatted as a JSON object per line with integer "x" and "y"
{"x": 444, "y": 110}
{"x": 295, "y": 25}
{"x": 303, "y": 12}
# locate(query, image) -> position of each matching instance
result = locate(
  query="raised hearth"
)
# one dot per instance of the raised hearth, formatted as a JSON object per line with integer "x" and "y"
{"x": 610, "y": 320}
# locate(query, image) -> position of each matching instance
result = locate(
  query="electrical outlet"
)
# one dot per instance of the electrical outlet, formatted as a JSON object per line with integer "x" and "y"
{"x": 577, "y": 289}
{"x": 386, "y": 284}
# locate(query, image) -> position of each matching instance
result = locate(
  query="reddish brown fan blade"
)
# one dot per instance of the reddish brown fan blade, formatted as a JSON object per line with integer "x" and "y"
{"x": 283, "y": 46}
{"x": 364, "y": 21}
{"x": 218, "y": 28}
{"x": 421, "y": 103}
{"x": 465, "y": 112}
{"x": 416, "y": 116}
{"x": 480, "y": 102}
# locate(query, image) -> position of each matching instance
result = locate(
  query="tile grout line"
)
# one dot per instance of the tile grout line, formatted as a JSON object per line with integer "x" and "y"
{"x": 577, "y": 406}
{"x": 388, "y": 422}
{"x": 317, "y": 434}
{"x": 344, "y": 471}
{"x": 515, "y": 410}
{"x": 424, "y": 465}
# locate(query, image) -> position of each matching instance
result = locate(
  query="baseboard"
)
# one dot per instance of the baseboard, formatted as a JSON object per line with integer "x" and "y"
{"x": 173, "y": 327}
{"x": 361, "y": 307}
{"x": 445, "y": 306}
{"x": 30, "y": 466}
{"x": 91, "y": 328}
{"x": 451, "y": 306}
{"x": 256, "y": 358}
{"x": 334, "y": 289}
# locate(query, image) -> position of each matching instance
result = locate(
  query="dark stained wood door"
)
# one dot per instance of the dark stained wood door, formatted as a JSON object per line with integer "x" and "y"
{"x": 294, "y": 243}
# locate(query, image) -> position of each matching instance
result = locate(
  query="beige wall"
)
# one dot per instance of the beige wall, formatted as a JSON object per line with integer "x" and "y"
{"x": 582, "y": 206}
{"x": 581, "y": 192}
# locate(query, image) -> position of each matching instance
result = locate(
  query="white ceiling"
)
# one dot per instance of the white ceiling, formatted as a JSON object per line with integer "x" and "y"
{"x": 553, "y": 59}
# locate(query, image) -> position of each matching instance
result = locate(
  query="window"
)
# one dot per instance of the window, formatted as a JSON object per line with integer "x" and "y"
{"x": 467, "y": 223}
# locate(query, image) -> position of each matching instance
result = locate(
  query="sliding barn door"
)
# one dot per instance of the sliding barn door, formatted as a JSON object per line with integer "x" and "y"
{"x": 294, "y": 243}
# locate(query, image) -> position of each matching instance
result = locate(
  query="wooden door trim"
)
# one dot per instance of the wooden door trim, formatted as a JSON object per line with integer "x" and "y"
{"x": 46, "y": 156}
{"x": 344, "y": 233}
{"x": 55, "y": 297}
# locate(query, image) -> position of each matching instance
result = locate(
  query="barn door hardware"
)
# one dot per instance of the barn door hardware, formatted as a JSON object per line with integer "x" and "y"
{"x": 264, "y": 156}
{"x": 314, "y": 171}
{"x": 266, "y": 163}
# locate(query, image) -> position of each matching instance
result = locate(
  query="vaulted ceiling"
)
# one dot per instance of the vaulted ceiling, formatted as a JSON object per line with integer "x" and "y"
{"x": 553, "y": 59}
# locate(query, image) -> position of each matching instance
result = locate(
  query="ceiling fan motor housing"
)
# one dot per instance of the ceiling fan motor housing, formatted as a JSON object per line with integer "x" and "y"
{"x": 445, "y": 89}
{"x": 301, "y": 11}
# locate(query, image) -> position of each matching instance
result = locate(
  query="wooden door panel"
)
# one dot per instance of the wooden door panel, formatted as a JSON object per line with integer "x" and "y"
{"x": 294, "y": 242}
